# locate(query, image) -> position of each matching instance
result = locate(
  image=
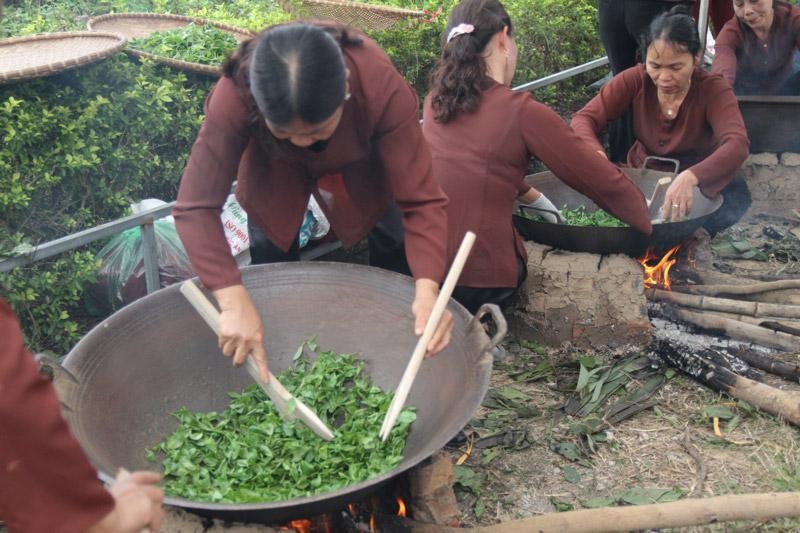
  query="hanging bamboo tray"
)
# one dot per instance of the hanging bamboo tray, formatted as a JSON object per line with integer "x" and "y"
{"x": 137, "y": 25}
{"x": 45, "y": 54}
{"x": 357, "y": 14}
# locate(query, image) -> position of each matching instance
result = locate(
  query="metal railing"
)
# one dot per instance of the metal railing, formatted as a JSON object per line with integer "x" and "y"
{"x": 144, "y": 221}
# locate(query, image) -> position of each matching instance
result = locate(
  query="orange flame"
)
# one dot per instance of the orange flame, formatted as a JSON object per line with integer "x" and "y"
{"x": 657, "y": 275}
{"x": 300, "y": 526}
{"x": 401, "y": 511}
{"x": 372, "y": 523}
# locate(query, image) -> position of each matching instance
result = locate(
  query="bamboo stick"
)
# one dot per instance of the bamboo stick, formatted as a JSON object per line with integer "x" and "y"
{"x": 740, "y": 330}
{"x": 724, "y": 304}
{"x": 683, "y": 513}
{"x": 752, "y": 288}
{"x": 764, "y": 322}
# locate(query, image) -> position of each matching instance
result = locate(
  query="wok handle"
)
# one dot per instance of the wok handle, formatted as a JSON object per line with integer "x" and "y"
{"x": 63, "y": 380}
{"x": 675, "y": 163}
{"x": 499, "y": 322}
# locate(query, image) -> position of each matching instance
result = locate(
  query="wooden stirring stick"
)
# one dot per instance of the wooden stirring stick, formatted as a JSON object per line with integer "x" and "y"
{"x": 281, "y": 397}
{"x": 401, "y": 394}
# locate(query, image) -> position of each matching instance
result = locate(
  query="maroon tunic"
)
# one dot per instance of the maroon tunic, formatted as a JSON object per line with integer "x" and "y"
{"x": 481, "y": 158}
{"x": 755, "y": 67}
{"x": 707, "y": 136}
{"x": 46, "y": 483}
{"x": 376, "y": 154}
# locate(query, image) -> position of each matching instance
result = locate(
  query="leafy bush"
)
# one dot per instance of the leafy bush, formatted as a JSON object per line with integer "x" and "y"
{"x": 76, "y": 150}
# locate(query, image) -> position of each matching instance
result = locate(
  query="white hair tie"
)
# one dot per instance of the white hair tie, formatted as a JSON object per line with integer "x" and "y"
{"x": 461, "y": 29}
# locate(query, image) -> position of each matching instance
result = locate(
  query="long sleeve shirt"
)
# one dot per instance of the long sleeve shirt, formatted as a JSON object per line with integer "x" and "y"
{"x": 752, "y": 66}
{"x": 46, "y": 482}
{"x": 707, "y": 136}
{"x": 481, "y": 159}
{"x": 376, "y": 154}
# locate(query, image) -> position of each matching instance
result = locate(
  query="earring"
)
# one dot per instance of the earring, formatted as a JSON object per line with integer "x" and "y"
{"x": 346, "y": 96}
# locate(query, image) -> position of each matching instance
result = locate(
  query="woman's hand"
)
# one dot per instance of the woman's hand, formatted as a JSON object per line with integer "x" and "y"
{"x": 679, "y": 197}
{"x": 426, "y": 292}
{"x": 241, "y": 332}
{"x": 137, "y": 505}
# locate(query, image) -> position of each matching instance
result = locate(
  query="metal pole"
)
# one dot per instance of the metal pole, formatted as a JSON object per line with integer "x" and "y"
{"x": 150, "y": 252}
{"x": 702, "y": 25}
{"x": 563, "y": 75}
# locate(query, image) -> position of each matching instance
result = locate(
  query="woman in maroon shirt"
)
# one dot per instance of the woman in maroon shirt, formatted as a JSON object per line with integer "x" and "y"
{"x": 46, "y": 482}
{"x": 755, "y": 50}
{"x": 482, "y": 136}
{"x": 302, "y": 109}
{"x": 680, "y": 112}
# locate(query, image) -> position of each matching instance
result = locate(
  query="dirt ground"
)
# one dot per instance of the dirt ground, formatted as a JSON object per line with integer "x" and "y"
{"x": 750, "y": 452}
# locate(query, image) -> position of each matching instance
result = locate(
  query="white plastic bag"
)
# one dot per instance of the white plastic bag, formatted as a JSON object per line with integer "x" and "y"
{"x": 234, "y": 221}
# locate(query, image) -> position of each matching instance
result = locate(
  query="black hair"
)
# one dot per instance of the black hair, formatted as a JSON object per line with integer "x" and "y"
{"x": 459, "y": 76}
{"x": 294, "y": 71}
{"x": 675, "y": 27}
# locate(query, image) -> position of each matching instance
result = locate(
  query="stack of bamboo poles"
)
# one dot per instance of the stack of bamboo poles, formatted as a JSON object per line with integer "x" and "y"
{"x": 774, "y": 325}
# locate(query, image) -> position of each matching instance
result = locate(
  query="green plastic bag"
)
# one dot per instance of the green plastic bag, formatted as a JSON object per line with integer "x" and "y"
{"x": 121, "y": 278}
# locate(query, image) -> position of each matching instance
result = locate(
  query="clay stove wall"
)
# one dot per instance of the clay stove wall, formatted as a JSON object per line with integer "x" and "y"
{"x": 587, "y": 299}
{"x": 774, "y": 181}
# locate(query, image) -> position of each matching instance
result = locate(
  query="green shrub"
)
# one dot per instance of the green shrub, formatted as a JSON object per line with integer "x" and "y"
{"x": 75, "y": 150}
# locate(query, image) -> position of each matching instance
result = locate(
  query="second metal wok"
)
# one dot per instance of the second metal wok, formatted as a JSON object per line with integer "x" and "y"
{"x": 157, "y": 355}
{"x": 625, "y": 240}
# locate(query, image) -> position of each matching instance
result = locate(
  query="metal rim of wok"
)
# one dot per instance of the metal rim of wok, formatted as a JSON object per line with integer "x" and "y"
{"x": 598, "y": 240}
{"x": 83, "y": 369}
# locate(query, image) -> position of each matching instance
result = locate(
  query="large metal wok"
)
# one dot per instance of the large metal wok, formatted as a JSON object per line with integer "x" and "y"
{"x": 157, "y": 355}
{"x": 625, "y": 240}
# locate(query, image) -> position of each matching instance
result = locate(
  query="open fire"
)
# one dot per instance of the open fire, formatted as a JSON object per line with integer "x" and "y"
{"x": 656, "y": 270}
{"x": 361, "y": 516}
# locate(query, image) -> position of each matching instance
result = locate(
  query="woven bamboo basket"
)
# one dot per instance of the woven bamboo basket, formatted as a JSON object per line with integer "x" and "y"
{"x": 357, "y": 14}
{"x": 136, "y": 25}
{"x": 45, "y": 54}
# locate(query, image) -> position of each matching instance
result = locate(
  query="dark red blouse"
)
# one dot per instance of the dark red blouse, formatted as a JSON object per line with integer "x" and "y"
{"x": 481, "y": 159}
{"x": 755, "y": 67}
{"x": 707, "y": 136}
{"x": 46, "y": 483}
{"x": 377, "y": 154}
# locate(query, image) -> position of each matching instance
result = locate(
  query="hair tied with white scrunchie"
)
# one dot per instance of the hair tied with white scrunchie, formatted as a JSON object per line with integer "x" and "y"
{"x": 461, "y": 29}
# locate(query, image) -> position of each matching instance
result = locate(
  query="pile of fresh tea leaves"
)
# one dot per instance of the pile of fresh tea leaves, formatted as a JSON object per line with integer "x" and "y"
{"x": 580, "y": 217}
{"x": 248, "y": 453}
{"x": 194, "y": 43}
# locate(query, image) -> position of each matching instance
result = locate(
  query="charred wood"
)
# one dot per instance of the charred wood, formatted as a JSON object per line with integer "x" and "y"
{"x": 717, "y": 377}
{"x": 769, "y": 364}
{"x": 738, "y": 330}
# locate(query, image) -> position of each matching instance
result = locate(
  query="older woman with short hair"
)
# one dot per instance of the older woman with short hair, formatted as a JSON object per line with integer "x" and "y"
{"x": 755, "y": 50}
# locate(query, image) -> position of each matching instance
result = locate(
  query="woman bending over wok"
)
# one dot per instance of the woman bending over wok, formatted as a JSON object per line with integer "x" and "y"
{"x": 482, "y": 137}
{"x": 302, "y": 109}
{"x": 755, "y": 50}
{"x": 680, "y": 112}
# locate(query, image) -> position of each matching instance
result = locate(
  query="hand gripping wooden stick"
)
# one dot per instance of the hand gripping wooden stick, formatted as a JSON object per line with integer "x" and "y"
{"x": 401, "y": 394}
{"x": 274, "y": 389}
